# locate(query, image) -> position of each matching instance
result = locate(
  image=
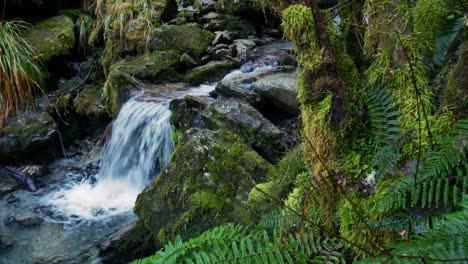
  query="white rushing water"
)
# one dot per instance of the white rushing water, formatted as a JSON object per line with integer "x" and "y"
{"x": 138, "y": 149}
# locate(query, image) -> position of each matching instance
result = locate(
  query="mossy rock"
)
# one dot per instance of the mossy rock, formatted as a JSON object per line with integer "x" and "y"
{"x": 157, "y": 67}
{"x": 186, "y": 112}
{"x": 31, "y": 136}
{"x": 53, "y": 37}
{"x": 206, "y": 184}
{"x": 242, "y": 118}
{"x": 181, "y": 38}
{"x": 118, "y": 88}
{"x": 210, "y": 72}
{"x": 90, "y": 102}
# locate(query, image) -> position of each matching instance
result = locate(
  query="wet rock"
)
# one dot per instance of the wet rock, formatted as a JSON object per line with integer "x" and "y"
{"x": 186, "y": 113}
{"x": 279, "y": 89}
{"x": 113, "y": 239}
{"x": 35, "y": 171}
{"x": 242, "y": 118}
{"x": 126, "y": 245}
{"x": 202, "y": 186}
{"x": 49, "y": 245}
{"x": 32, "y": 136}
{"x": 249, "y": 44}
{"x": 222, "y": 37}
{"x": 210, "y": 72}
{"x": 6, "y": 240}
{"x": 7, "y": 185}
{"x": 238, "y": 85}
{"x": 26, "y": 221}
{"x": 53, "y": 37}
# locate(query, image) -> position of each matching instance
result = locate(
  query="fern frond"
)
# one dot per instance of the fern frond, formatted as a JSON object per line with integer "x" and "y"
{"x": 447, "y": 241}
{"x": 443, "y": 43}
{"x": 443, "y": 179}
{"x": 383, "y": 114}
{"x": 218, "y": 237}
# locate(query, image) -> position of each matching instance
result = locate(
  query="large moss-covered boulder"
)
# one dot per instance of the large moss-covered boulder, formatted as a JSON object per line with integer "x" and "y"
{"x": 53, "y": 37}
{"x": 182, "y": 38}
{"x": 31, "y": 136}
{"x": 157, "y": 67}
{"x": 206, "y": 184}
{"x": 240, "y": 117}
{"x": 279, "y": 90}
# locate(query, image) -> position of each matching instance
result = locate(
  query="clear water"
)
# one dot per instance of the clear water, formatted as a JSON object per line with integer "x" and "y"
{"x": 81, "y": 208}
{"x": 138, "y": 149}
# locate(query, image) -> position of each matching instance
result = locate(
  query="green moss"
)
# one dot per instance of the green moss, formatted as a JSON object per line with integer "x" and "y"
{"x": 53, "y": 37}
{"x": 157, "y": 67}
{"x": 258, "y": 201}
{"x": 118, "y": 85}
{"x": 207, "y": 199}
{"x": 90, "y": 102}
{"x": 429, "y": 19}
{"x": 202, "y": 186}
{"x": 26, "y": 129}
{"x": 184, "y": 39}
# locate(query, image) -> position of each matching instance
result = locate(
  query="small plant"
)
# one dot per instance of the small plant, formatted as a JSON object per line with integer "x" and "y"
{"x": 21, "y": 74}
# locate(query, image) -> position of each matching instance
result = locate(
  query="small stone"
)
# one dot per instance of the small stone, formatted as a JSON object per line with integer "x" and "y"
{"x": 6, "y": 240}
{"x": 26, "y": 221}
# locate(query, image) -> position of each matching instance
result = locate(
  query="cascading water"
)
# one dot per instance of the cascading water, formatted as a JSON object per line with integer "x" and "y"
{"x": 139, "y": 148}
{"x": 140, "y": 144}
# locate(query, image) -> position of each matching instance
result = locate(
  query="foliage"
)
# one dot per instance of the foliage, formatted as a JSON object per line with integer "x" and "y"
{"x": 429, "y": 19}
{"x": 445, "y": 242}
{"x": 20, "y": 70}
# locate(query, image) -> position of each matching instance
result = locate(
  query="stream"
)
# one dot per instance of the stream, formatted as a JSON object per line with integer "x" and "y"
{"x": 77, "y": 207}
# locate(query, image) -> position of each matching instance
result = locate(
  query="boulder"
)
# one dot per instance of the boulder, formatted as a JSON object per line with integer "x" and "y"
{"x": 242, "y": 118}
{"x": 187, "y": 38}
{"x": 118, "y": 87}
{"x": 210, "y": 72}
{"x": 279, "y": 89}
{"x": 206, "y": 184}
{"x": 53, "y": 37}
{"x": 238, "y": 85}
{"x": 90, "y": 102}
{"x": 186, "y": 112}
{"x": 182, "y": 38}
{"x": 33, "y": 136}
{"x": 157, "y": 67}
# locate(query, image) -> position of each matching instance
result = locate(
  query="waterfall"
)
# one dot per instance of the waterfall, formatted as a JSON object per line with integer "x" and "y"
{"x": 138, "y": 149}
{"x": 140, "y": 145}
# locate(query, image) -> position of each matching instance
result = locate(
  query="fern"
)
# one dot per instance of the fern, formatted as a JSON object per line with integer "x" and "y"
{"x": 446, "y": 241}
{"x": 225, "y": 244}
{"x": 382, "y": 114}
{"x": 442, "y": 180}
{"x": 443, "y": 43}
